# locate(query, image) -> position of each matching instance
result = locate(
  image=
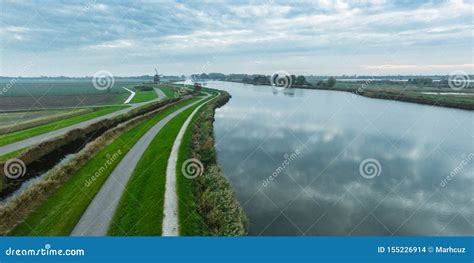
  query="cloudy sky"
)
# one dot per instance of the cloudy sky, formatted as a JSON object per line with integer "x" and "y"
{"x": 321, "y": 37}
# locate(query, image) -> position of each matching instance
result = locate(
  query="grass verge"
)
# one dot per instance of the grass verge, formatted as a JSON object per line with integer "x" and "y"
{"x": 28, "y": 133}
{"x": 62, "y": 210}
{"x": 143, "y": 96}
{"x": 168, "y": 91}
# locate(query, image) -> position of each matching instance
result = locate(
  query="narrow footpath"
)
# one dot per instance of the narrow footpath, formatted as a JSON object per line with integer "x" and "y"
{"x": 170, "y": 211}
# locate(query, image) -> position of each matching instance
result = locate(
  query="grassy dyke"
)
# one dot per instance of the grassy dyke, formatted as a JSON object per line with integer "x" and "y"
{"x": 48, "y": 118}
{"x": 61, "y": 199}
{"x": 140, "y": 211}
{"x": 190, "y": 220}
{"x": 207, "y": 204}
{"x": 38, "y": 130}
{"x": 37, "y": 152}
{"x": 398, "y": 93}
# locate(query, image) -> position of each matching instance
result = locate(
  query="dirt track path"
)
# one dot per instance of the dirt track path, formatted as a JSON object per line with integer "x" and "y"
{"x": 98, "y": 216}
{"x": 170, "y": 211}
{"x": 49, "y": 135}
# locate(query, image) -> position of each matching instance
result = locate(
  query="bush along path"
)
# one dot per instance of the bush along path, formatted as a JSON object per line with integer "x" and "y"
{"x": 98, "y": 216}
{"x": 170, "y": 211}
{"x": 206, "y": 202}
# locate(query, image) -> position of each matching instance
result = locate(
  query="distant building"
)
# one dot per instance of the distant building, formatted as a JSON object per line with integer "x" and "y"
{"x": 197, "y": 87}
{"x": 156, "y": 79}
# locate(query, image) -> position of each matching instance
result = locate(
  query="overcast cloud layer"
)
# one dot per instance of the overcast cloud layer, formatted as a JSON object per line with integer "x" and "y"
{"x": 78, "y": 38}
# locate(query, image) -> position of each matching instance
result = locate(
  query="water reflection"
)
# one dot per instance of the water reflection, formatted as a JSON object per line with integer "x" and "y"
{"x": 321, "y": 192}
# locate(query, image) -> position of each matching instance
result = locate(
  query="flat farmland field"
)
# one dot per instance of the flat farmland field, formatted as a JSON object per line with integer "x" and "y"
{"x": 42, "y": 94}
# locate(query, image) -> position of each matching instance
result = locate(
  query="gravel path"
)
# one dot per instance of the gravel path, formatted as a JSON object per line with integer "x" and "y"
{"x": 132, "y": 94}
{"x": 170, "y": 212}
{"x": 96, "y": 219}
{"x": 49, "y": 135}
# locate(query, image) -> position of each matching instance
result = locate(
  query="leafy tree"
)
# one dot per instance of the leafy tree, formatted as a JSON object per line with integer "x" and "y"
{"x": 331, "y": 82}
{"x": 300, "y": 81}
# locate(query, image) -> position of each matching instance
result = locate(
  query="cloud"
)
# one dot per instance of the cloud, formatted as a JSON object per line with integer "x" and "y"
{"x": 121, "y": 43}
{"x": 421, "y": 67}
{"x": 319, "y": 35}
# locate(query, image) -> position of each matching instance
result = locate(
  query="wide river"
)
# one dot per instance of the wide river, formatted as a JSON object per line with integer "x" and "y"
{"x": 309, "y": 162}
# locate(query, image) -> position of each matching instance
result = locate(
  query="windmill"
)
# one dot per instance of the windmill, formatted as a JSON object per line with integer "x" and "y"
{"x": 156, "y": 79}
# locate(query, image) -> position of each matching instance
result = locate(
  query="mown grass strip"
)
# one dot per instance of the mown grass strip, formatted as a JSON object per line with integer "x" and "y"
{"x": 12, "y": 154}
{"x": 140, "y": 211}
{"x": 63, "y": 209}
{"x": 38, "y": 130}
{"x": 191, "y": 222}
{"x": 169, "y": 92}
{"x": 143, "y": 96}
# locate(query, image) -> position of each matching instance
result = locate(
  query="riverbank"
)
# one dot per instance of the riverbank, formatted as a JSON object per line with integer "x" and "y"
{"x": 208, "y": 204}
{"x": 334, "y": 132}
{"x": 399, "y": 94}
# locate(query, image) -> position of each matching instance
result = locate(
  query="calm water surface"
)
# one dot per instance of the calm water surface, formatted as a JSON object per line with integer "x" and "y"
{"x": 294, "y": 160}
